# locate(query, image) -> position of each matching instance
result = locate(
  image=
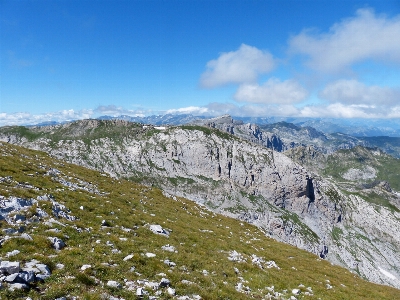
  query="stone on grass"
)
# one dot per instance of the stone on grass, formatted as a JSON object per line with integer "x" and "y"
{"x": 157, "y": 229}
{"x": 295, "y": 291}
{"x": 17, "y": 286}
{"x": 164, "y": 283}
{"x": 171, "y": 291}
{"x": 44, "y": 269}
{"x": 26, "y": 236}
{"x": 84, "y": 267}
{"x": 57, "y": 243}
{"x": 11, "y": 278}
{"x": 128, "y": 257}
{"x": 114, "y": 284}
{"x": 139, "y": 292}
{"x": 12, "y": 253}
{"x": 42, "y": 277}
{"x": 9, "y": 267}
{"x": 168, "y": 248}
{"x": 148, "y": 254}
{"x": 105, "y": 223}
{"x": 169, "y": 263}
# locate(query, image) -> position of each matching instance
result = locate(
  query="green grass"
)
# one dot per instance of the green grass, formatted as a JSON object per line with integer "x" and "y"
{"x": 202, "y": 238}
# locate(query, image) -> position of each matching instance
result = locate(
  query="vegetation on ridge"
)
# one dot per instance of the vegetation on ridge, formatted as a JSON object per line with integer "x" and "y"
{"x": 203, "y": 241}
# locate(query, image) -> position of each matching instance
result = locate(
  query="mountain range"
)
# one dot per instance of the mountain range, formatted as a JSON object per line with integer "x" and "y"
{"x": 283, "y": 178}
{"x": 69, "y": 232}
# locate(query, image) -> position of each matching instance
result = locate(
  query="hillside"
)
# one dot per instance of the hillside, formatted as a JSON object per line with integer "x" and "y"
{"x": 283, "y": 136}
{"x": 109, "y": 246}
{"x": 238, "y": 178}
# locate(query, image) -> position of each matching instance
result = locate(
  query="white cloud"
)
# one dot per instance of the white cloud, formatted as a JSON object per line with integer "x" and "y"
{"x": 23, "y": 118}
{"x": 340, "y": 110}
{"x": 334, "y": 110}
{"x": 115, "y": 111}
{"x": 195, "y": 110}
{"x": 240, "y": 66}
{"x": 272, "y": 91}
{"x": 365, "y": 36}
{"x": 355, "y": 92}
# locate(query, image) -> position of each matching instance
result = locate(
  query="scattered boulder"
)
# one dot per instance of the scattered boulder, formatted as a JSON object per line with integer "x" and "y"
{"x": 128, "y": 257}
{"x": 169, "y": 248}
{"x": 12, "y": 253}
{"x": 114, "y": 284}
{"x": 105, "y": 223}
{"x": 164, "y": 283}
{"x": 7, "y": 267}
{"x": 84, "y": 267}
{"x": 18, "y": 286}
{"x": 57, "y": 243}
{"x": 295, "y": 291}
{"x": 157, "y": 229}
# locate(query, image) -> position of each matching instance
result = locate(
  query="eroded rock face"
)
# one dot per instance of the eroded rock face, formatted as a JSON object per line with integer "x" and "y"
{"x": 245, "y": 180}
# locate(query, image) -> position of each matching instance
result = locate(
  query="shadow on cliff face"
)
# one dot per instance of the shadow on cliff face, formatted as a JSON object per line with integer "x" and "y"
{"x": 310, "y": 189}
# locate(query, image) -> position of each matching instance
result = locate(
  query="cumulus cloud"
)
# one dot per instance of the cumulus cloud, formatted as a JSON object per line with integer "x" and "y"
{"x": 365, "y": 36}
{"x": 195, "y": 110}
{"x": 340, "y": 110}
{"x": 355, "y": 92}
{"x": 23, "y": 118}
{"x": 115, "y": 111}
{"x": 240, "y": 66}
{"x": 333, "y": 110}
{"x": 272, "y": 91}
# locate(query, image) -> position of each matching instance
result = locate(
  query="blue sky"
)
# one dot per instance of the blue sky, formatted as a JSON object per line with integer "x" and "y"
{"x": 63, "y": 60}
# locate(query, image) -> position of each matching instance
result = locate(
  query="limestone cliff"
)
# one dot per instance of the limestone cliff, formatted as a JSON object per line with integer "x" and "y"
{"x": 236, "y": 177}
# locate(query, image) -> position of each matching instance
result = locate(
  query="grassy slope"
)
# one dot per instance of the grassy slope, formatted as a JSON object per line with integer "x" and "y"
{"x": 133, "y": 206}
{"x": 388, "y": 167}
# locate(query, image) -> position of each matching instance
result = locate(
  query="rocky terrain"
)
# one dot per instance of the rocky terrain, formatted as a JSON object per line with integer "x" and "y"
{"x": 283, "y": 136}
{"x": 238, "y": 178}
{"x": 73, "y": 233}
{"x": 351, "y": 127}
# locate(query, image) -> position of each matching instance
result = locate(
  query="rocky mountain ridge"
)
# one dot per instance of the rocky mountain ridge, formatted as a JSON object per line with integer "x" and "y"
{"x": 72, "y": 233}
{"x": 238, "y": 178}
{"x": 283, "y": 136}
{"x": 353, "y": 127}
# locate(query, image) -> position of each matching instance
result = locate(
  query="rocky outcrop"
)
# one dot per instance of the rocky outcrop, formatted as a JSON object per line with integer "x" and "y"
{"x": 239, "y": 178}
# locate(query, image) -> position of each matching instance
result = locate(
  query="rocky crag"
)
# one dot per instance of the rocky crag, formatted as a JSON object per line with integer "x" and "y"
{"x": 68, "y": 233}
{"x": 236, "y": 177}
{"x": 283, "y": 136}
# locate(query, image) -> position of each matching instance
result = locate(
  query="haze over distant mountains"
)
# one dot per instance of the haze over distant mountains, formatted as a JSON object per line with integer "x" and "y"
{"x": 355, "y": 127}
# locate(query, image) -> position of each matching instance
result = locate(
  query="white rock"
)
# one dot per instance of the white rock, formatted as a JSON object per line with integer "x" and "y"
{"x": 12, "y": 253}
{"x": 171, "y": 291}
{"x": 84, "y": 267}
{"x": 157, "y": 229}
{"x": 168, "y": 248}
{"x": 44, "y": 269}
{"x": 9, "y": 267}
{"x": 148, "y": 254}
{"x": 114, "y": 284}
{"x": 139, "y": 292}
{"x": 17, "y": 286}
{"x": 169, "y": 263}
{"x": 128, "y": 257}
{"x": 57, "y": 243}
{"x": 295, "y": 291}
{"x": 164, "y": 282}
